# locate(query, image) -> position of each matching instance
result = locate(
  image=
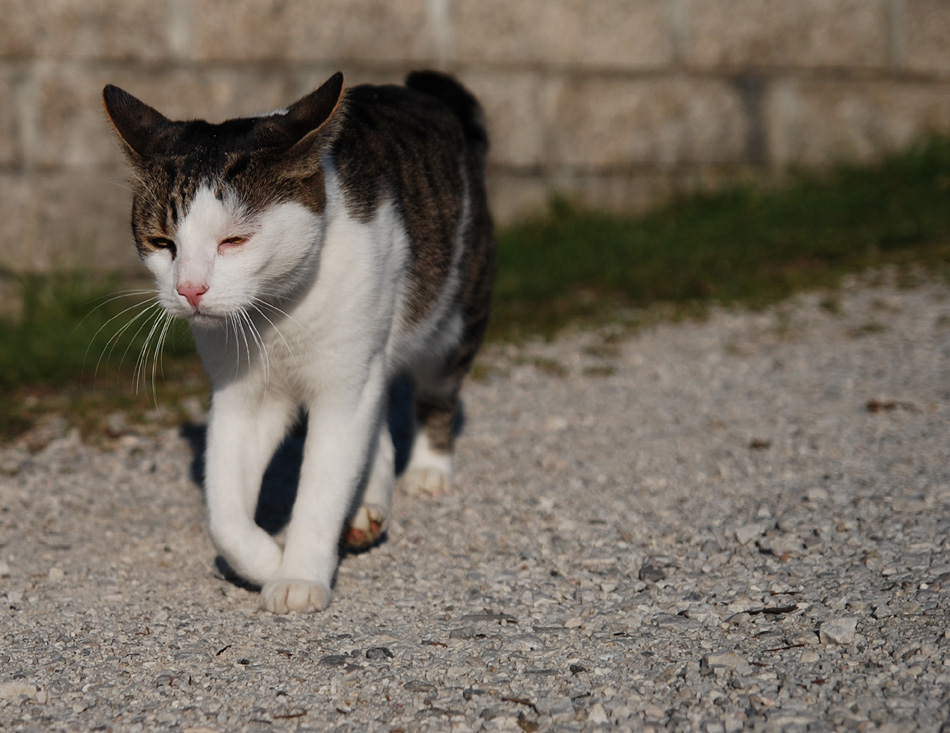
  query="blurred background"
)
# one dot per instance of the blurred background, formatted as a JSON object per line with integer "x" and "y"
{"x": 644, "y": 152}
{"x": 617, "y": 104}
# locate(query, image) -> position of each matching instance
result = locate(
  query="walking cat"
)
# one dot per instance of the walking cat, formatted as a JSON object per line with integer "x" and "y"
{"x": 318, "y": 253}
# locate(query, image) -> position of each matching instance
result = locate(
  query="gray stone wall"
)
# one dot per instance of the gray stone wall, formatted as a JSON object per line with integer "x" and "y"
{"x": 620, "y": 103}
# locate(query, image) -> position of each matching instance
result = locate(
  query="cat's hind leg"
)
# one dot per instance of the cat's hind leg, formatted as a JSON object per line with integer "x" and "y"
{"x": 430, "y": 463}
{"x": 437, "y": 383}
{"x": 371, "y": 518}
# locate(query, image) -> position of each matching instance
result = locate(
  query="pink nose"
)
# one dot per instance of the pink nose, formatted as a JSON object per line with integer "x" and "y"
{"x": 192, "y": 293}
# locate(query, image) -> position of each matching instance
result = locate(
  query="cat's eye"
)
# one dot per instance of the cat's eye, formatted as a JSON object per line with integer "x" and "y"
{"x": 162, "y": 243}
{"x": 236, "y": 241}
{"x": 230, "y": 243}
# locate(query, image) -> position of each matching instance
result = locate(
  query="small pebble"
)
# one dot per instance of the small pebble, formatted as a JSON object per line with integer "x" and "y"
{"x": 555, "y": 706}
{"x": 526, "y": 642}
{"x": 720, "y": 662}
{"x": 838, "y": 631}
{"x": 749, "y": 532}
{"x": 116, "y": 424}
{"x": 808, "y": 656}
{"x": 597, "y": 714}
{"x": 379, "y": 652}
{"x": 801, "y": 638}
{"x": 334, "y": 660}
{"x": 419, "y": 686}
{"x": 882, "y": 611}
{"x": 651, "y": 573}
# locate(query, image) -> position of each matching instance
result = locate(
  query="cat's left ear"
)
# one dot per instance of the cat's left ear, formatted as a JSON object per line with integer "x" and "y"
{"x": 316, "y": 109}
{"x": 138, "y": 125}
{"x": 309, "y": 125}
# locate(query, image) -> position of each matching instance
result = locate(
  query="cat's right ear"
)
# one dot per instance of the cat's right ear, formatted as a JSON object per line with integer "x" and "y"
{"x": 137, "y": 125}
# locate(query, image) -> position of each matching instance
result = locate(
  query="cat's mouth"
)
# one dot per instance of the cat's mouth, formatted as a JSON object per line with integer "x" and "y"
{"x": 203, "y": 319}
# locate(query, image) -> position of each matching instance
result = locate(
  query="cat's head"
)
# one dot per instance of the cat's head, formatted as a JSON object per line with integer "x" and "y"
{"x": 226, "y": 215}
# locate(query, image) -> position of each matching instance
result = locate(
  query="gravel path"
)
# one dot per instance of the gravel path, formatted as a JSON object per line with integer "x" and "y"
{"x": 736, "y": 524}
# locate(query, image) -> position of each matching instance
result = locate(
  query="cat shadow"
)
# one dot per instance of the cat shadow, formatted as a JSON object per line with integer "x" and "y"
{"x": 282, "y": 477}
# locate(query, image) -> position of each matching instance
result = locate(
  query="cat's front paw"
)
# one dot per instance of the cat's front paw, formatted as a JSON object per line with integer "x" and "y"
{"x": 426, "y": 480}
{"x": 291, "y": 595}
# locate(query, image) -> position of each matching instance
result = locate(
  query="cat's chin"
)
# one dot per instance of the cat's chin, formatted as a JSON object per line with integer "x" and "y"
{"x": 206, "y": 321}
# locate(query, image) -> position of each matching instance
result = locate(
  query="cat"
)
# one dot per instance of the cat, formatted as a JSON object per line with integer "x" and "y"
{"x": 319, "y": 253}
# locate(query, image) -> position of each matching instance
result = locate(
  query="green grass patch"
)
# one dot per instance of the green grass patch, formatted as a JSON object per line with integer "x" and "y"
{"x": 746, "y": 246}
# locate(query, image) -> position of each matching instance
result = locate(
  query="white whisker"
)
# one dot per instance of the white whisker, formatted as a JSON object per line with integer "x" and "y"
{"x": 112, "y": 297}
{"x": 146, "y": 316}
{"x": 247, "y": 346}
{"x": 140, "y": 363}
{"x": 259, "y": 342}
{"x": 276, "y": 329}
{"x": 227, "y": 331}
{"x": 274, "y": 309}
{"x": 110, "y": 344}
{"x": 153, "y": 311}
{"x": 118, "y": 185}
{"x": 239, "y": 335}
{"x": 157, "y": 355}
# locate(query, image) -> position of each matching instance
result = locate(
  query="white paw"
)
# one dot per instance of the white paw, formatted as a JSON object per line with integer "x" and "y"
{"x": 426, "y": 480}
{"x": 301, "y": 596}
{"x": 429, "y": 471}
{"x": 365, "y": 527}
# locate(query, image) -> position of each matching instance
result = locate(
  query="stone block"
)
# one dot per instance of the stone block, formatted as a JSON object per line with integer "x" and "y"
{"x": 926, "y": 39}
{"x": 515, "y": 109}
{"x": 85, "y": 29}
{"x": 61, "y": 221}
{"x": 659, "y": 122}
{"x": 22, "y": 248}
{"x": 254, "y": 30}
{"x": 817, "y": 123}
{"x": 589, "y": 33}
{"x": 71, "y": 129}
{"x": 807, "y": 33}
